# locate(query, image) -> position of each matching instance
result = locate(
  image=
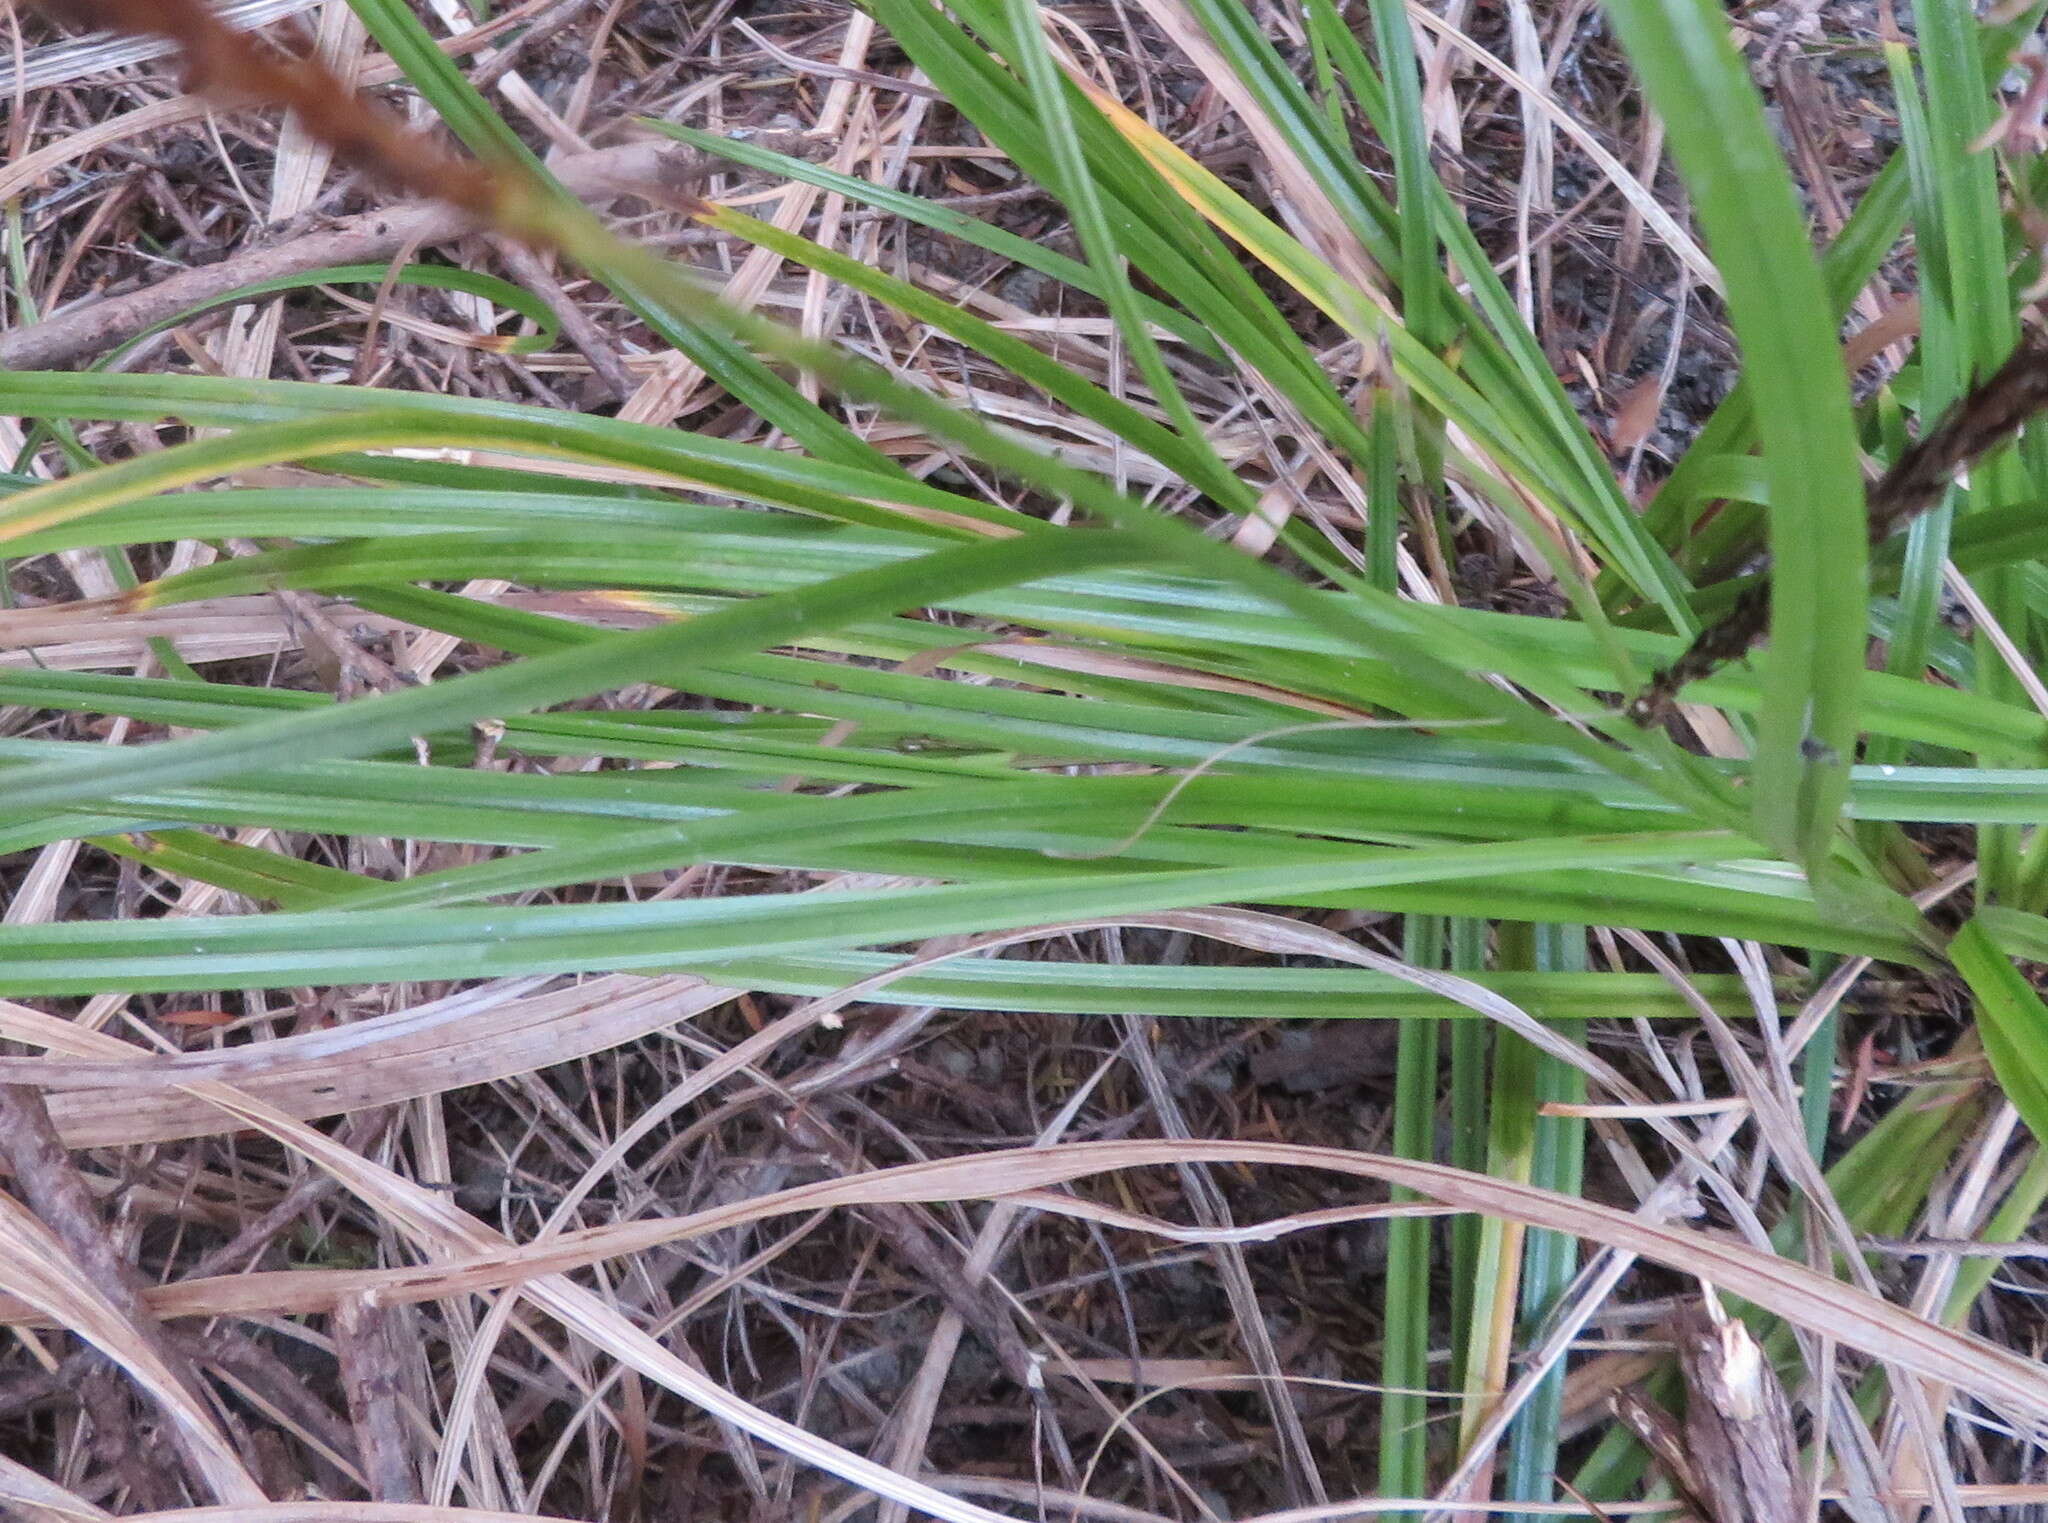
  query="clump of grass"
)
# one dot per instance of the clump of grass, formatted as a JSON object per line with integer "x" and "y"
{"x": 1036, "y": 704}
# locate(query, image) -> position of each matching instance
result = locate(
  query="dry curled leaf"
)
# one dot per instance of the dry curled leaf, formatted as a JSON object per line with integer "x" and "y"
{"x": 1636, "y": 414}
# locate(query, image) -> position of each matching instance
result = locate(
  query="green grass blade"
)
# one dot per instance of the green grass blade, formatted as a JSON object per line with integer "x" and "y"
{"x": 375, "y": 945}
{"x": 372, "y": 724}
{"x": 1550, "y": 1259}
{"x": 1405, "y": 1336}
{"x": 2011, "y": 1019}
{"x": 1778, "y": 305}
{"x": 940, "y": 219}
{"x": 469, "y": 116}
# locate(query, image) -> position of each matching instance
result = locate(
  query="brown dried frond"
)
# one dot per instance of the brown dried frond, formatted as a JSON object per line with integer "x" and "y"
{"x": 242, "y": 69}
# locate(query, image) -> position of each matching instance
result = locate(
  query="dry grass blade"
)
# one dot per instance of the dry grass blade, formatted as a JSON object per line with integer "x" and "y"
{"x": 1083, "y": 1507}
{"x": 475, "y": 1260}
{"x": 473, "y": 1037}
{"x": 1639, "y": 197}
{"x": 35, "y": 1266}
{"x": 59, "y": 63}
{"x": 1856, "y": 1318}
{"x": 40, "y": 1500}
{"x": 471, "y": 1262}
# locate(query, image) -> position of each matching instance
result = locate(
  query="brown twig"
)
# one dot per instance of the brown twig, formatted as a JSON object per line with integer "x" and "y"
{"x": 1738, "y": 1424}
{"x": 248, "y": 1244}
{"x": 1982, "y": 421}
{"x": 241, "y": 1360}
{"x": 90, "y": 329}
{"x": 344, "y": 663}
{"x": 532, "y": 271}
{"x": 50, "y": 1183}
{"x": 537, "y": 31}
{"x": 369, "y": 1373}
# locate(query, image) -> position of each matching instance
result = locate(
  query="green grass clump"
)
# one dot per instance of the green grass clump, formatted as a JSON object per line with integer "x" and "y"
{"x": 1089, "y": 708}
